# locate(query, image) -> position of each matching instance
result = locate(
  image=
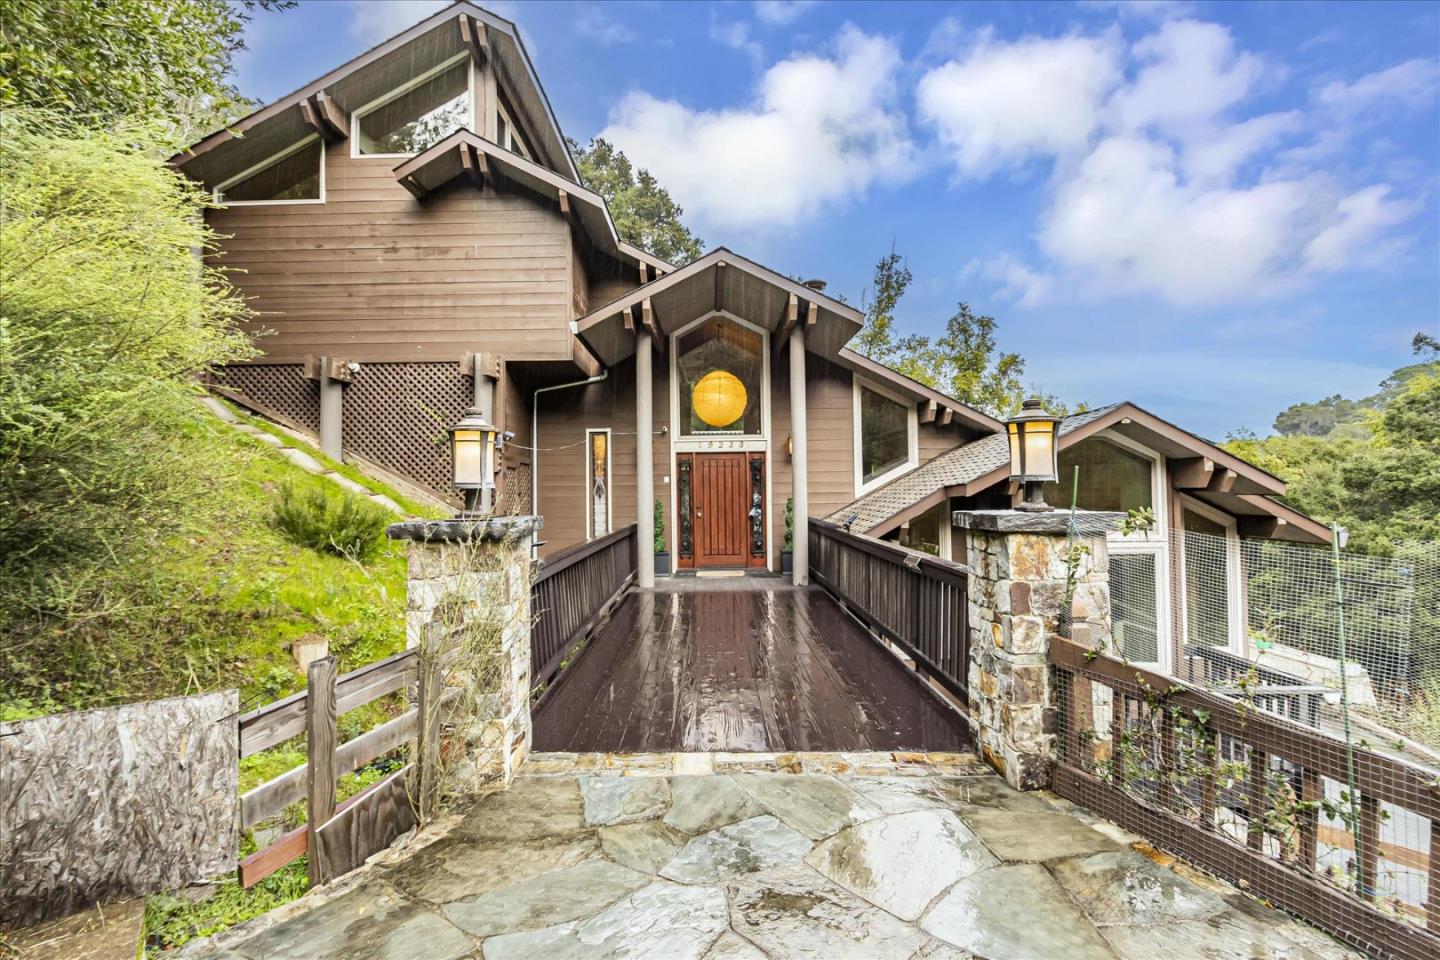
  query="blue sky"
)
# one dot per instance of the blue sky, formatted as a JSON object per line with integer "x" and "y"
{"x": 1211, "y": 209}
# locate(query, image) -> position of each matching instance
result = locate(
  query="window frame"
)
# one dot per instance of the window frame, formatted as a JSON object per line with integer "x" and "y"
{"x": 912, "y": 435}
{"x": 590, "y": 482}
{"x": 359, "y": 113}
{"x": 512, "y": 134}
{"x": 702, "y": 443}
{"x": 1237, "y": 626}
{"x": 217, "y": 193}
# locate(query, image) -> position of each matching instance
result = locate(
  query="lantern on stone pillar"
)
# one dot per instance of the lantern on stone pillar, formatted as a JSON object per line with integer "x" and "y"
{"x": 1033, "y": 452}
{"x": 472, "y": 448}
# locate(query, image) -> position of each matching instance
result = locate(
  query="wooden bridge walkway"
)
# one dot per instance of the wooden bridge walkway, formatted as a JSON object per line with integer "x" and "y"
{"x": 745, "y": 664}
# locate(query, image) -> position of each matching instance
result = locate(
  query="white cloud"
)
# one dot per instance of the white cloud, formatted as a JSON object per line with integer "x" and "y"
{"x": 1160, "y": 183}
{"x": 594, "y": 23}
{"x": 735, "y": 34}
{"x": 373, "y": 21}
{"x": 1140, "y": 9}
{"x": 1192, "y": 75}
{"x": 1363, "y": 218}
{"x": 781, "y": 13}
{"x": 820, "y": 131}
{"x": 1409, "y": 84}
{"x": 1006, "y": 103}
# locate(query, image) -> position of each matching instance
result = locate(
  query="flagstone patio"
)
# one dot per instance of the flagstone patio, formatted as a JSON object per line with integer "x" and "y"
{"x": 726, "y": 856}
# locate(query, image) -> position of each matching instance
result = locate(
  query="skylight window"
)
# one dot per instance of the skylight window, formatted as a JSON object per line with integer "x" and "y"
{"x": 418, "y": 115}
{"x": 291, "y": 176}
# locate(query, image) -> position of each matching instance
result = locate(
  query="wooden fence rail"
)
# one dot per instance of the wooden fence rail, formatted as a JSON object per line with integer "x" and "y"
{"x": 338, "y": 837}
{"x": 916, "y": 601}
{"x": 571, "y": 594}
{"x": 1242, "y": 792}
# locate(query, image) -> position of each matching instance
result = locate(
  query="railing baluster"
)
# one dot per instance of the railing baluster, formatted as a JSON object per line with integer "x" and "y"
{"x": 1255, "y": 797}
{"x": 319, "y": 759}
{"x": 1369, "y": 852}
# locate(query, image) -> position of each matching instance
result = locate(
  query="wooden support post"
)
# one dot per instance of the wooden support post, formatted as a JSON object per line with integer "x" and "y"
{"x": 644, "y": 461}
{"x": 1255, "y": 798}
{"x": 1310, "y": 792}
{"x": 1369, "y": 853}
{"x": 319, "y": 758}
{"x": 427, "y": 747}
{"x": 332, "y": 400}
{"x": 799, "y": 460}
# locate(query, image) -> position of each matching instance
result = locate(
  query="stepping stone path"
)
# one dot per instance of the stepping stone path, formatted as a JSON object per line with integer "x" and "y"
{"x": 589, "y": 858}
{"x": 293, "y": 452}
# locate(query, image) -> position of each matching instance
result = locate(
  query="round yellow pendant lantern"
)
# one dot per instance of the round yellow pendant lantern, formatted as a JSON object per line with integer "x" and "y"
{"x": 719, "y": 398}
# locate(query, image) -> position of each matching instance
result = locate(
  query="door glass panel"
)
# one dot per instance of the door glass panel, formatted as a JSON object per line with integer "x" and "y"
{"x": 1207, "y": 581}
{"x": 1134, "y": 613}
{"x": 599, "y": 470}
{"x": 683, "y": 511}
{"x": 757, "y": 507}
{"x": 884, "y": 434}
{"x": 421, "y": 116}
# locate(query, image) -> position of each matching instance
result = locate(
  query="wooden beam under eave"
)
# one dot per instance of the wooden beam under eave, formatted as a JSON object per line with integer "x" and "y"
{"x": 644, "y": 272}
{"x": 792, "y": 317}
{"x": 1260, "y": 528}
{"x": 416, "y": 190}
{"x": 647, "y": 318}
{"x": 564, "y": 199}
{"x": 719, "y": 284}
{"x": 946, "y": 416}
{"x": 928, "y": 412}
{"x": 331, "y": 115}
{"x": 1222, "y": 481}
{"x": 473, "y": 35}
{"x": 1193, "y": 473}
{"x": 628, "y": 317}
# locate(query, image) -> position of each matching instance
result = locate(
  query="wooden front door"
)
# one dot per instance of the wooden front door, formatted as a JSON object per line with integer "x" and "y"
{"x": 722, "y": 500}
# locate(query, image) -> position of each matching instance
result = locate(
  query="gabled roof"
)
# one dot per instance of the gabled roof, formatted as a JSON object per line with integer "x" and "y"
{"x": 977, "y": 419}
{"x": 469, "y": 154}
{"x": 379, "y": 70}
{"x": 1240, "y": 488}
{"x": 720, "y": 280}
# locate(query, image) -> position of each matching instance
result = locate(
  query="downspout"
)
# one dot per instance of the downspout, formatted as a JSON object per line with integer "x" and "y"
{"x": 535, "y": 432}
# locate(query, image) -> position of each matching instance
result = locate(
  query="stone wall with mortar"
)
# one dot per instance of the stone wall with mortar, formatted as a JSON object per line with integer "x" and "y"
{"x": 478, "y": 574}
{"x": 1016, "y": 600}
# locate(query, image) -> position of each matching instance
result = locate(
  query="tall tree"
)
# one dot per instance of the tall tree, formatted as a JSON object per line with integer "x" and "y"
{"x": 644, "y": 212}
{"x": 145, "y": 58}
{"x": 962, "y": 361}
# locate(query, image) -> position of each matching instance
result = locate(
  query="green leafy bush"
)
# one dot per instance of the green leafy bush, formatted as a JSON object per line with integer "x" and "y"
{"x": 659, "y": 527}
{"x": 337, "y": 522}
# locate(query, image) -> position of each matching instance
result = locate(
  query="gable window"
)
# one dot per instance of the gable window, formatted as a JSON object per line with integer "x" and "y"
{"x": 1211, "y": 559}
{"x": 597, "y": 482}
{"x": 1111, "y": 477}
{"x": 887, "y": 436}
{"x": 720, "y": 369}
{"x": 418, "y": 115}
{"x": 507, "y": 134}
{"x": 294, "y": 175}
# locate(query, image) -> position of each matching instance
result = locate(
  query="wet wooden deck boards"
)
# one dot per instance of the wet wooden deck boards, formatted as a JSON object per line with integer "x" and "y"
{"x": 740, "y": 665}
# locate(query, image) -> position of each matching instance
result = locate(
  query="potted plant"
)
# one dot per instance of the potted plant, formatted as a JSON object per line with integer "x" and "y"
{"x": 662, "y": 555}
{"x": 787, "y": 554}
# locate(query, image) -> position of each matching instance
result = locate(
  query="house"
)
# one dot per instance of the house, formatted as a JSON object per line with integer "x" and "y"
{"x": 414, "y": 234}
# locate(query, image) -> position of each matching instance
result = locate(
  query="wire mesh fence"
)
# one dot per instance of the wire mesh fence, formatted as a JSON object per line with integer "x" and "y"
{"x": 1267, "y": 709}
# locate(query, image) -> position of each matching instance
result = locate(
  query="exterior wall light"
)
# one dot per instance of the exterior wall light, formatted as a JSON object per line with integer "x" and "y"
{"x": 472, "y": 446}
{"x": 1033, "y": 452}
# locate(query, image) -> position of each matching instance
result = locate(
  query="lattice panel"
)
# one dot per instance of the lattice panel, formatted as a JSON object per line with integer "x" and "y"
{"x": 280, "y": 386}
{"x": 398, "y": 414}
{"x": 514, "y": 490}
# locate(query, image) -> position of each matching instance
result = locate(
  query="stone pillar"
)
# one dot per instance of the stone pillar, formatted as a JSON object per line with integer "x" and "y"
{"x": 478, "y": 574}
{"x": 1018, "y": 564}
{"x": 799, "y": 461}
{"x": 644, "y": 461}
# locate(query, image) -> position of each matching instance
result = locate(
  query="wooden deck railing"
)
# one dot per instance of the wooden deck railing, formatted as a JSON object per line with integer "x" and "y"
{"x": 571, "y": 594}
{"x": 916, "y": 601}
{"x": 1273, "y": 691}
{"x": 1255, "y": 798}
{"x": 338, "y": 837}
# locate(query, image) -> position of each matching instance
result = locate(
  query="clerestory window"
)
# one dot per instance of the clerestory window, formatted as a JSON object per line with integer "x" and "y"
{"x": 887, "y": 441}
{"x": 294, "y": 175}
{"x": 418, "y": 115}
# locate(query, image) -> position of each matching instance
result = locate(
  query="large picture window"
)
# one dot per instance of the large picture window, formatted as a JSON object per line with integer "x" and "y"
{"x": 887, "y": 436}
{"x": 1111, "y": 478}
{"x": 417, "y": 116}
{"x": 291, "y": 176}
{"x": 720, "y": 367}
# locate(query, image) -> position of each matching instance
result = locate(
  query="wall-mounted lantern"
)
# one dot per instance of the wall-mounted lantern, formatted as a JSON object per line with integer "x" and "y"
{"x": 1033, "y": 452}
{"x": 472, "y": 446}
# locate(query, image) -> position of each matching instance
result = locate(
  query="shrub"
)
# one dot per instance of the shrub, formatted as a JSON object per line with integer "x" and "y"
{"x": 337, "y": 522}
{"x": 659, "y": 527}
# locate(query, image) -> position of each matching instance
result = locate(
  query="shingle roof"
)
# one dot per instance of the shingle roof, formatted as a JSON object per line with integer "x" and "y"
{"x": 956, "y": 466}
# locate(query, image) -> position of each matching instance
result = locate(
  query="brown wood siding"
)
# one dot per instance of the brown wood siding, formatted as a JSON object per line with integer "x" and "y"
{"x": 830, "y": 416}
{"x": 564, "y": 417}
{"x": 373, "y": 275}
